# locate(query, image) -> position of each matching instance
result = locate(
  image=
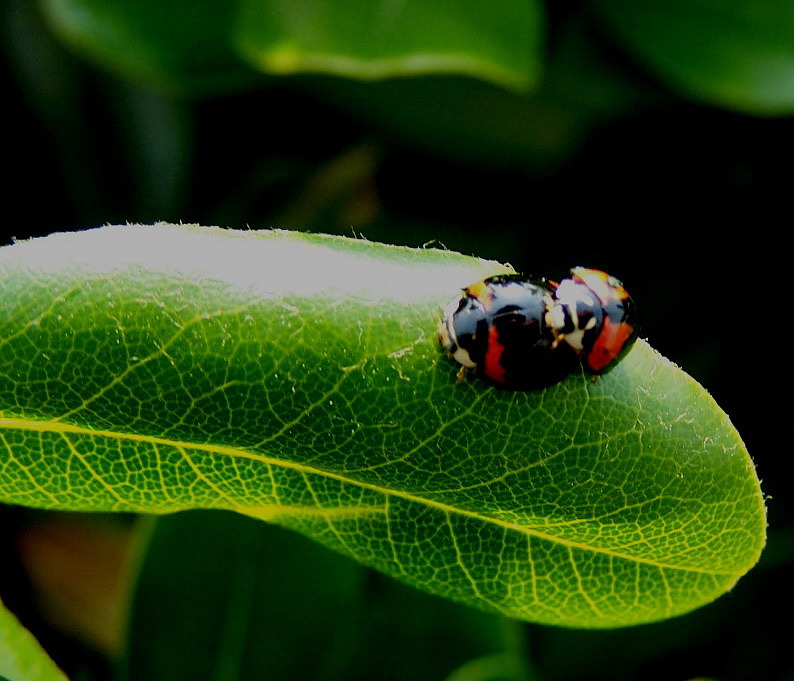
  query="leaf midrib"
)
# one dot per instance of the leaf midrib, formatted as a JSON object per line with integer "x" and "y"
{"x": 66, "y": 428}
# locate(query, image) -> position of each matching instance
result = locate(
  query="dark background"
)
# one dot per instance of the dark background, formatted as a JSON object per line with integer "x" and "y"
{"x": 689, "y": 204}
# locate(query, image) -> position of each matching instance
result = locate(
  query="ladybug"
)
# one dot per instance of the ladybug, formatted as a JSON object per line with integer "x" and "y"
{"x": 499, "y": 328}
{"x": 594, "y": 314}
{"x": 523, "y": 333}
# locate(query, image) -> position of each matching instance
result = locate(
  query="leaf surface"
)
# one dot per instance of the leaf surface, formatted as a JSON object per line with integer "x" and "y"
{"x": 296, "y": 378}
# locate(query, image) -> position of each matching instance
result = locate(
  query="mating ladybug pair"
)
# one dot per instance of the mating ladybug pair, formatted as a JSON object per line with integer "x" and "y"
{"x": 521, "y": 334}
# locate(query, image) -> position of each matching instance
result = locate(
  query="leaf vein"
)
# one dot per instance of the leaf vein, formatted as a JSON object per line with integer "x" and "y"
{"x": 224, "y": 450}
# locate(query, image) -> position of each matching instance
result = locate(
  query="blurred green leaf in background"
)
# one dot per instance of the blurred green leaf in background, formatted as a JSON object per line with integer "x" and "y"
{"x": 184, "y": 44}
{"x": 739, "y": 55}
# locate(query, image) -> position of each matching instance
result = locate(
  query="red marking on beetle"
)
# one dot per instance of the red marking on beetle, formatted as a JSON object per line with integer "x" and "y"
{"x": 493, "y": 357}
{"x": 609, "y": 344}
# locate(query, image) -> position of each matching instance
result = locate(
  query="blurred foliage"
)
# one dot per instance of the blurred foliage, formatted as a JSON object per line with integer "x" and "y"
{"x": 327, "y": 619}
{"x": 20, "y": 655}
{"x": 652, "y": 139}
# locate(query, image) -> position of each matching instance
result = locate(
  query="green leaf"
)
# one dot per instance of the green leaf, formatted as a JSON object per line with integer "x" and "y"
{"x": 496, "y": 127}
{"x": 182, "y": 46}
{"x": 21, "y": 656}
{"x": 373, "y": 39}
{"x": 222, "y": 596}
{"x": 201, "y": 47}
{"x": 296, "y": 378}
{"x": 738, "y": 54}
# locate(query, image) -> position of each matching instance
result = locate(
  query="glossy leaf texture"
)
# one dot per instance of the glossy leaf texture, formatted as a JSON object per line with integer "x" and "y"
{"x": 209, "y": 46}
{"x": 296, "y": 378}
{"x": 21, "y": 656}
{"x": 738, "y": 55}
